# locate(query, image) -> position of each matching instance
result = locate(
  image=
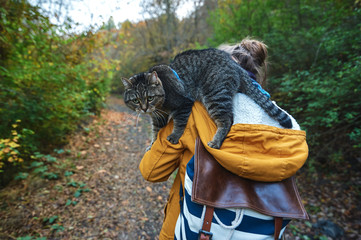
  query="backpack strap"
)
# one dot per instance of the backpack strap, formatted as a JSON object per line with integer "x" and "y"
{"x": 204, "y": 233}
{"x": 278, "y": 227}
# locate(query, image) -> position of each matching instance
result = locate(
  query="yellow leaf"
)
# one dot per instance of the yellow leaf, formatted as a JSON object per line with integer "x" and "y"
{"x": 6, "y": 150}
{"x": 13, "y": 145}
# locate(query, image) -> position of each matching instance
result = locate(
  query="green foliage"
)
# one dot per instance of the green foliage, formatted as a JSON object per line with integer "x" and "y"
{"x": 50, "y": 220}
{"x": 57, "y": 228}
{"x": 50, "y": 81}
{"x": 315, "y": 50}
{"x": 68, "y": 173}
{"x": 31, "y": 238}
{"x": 81, "y": 188}
{"x": 40, "y": 166}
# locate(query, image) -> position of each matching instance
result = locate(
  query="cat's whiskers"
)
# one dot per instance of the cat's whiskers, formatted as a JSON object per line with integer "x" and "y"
{"x": 162, "y": 111}
{"x": 136, "y": 123}
{"x": 160, "y": 116}
{"x": 157, "y": 118}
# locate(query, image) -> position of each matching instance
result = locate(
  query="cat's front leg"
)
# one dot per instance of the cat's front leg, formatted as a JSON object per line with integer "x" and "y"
{"x": 180, "y": 119}
{"x": 158, "y": 122}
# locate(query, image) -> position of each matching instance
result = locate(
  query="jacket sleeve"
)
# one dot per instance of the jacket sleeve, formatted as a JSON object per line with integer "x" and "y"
{"x": 162, "y": 159}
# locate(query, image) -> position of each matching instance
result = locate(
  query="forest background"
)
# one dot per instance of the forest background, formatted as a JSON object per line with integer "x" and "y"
{"x": 53, "y": 78}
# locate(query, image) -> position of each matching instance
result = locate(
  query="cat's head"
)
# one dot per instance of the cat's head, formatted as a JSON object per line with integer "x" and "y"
{"x": 144, "y": 92}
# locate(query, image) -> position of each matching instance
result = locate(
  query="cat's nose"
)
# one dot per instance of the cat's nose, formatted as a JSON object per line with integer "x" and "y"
{"x": 144, "y": 108}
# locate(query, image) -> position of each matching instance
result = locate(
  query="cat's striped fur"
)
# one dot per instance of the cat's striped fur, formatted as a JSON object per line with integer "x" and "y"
{"x": 209, "y": 76}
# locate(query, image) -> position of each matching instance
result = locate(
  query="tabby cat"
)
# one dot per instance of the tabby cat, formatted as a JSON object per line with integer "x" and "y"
{"x": 209, "y": 76}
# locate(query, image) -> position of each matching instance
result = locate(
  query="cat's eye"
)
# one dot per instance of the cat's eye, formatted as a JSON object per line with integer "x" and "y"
{"x": 136, "y": 101}
{"x": 150, "y": 98}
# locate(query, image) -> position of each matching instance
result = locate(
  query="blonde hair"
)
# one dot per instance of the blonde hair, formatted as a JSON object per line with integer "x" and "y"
{"x": 251, "y": 54}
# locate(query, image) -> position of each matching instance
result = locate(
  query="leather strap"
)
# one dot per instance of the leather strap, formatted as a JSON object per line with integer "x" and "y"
{"x": 205, "y": 233}
{"x": 278, "y": 227}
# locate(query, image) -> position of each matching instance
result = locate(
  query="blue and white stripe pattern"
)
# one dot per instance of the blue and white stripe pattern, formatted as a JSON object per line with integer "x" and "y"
{"x": 227, "y": 224}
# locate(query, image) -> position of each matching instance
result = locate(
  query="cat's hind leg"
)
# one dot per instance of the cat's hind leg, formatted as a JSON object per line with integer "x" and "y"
{"x": 223, "y": 126}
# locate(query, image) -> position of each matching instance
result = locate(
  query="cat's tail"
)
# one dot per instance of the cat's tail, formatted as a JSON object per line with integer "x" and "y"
{"x": 265, "y": 102}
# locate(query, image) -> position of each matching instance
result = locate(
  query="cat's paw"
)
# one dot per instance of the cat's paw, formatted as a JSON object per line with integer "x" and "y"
{"x": 214, "y": 144}
{"x": 173, "y": 138}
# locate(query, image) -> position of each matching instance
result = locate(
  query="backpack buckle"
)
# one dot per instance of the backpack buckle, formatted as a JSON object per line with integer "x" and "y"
{"x": 204, "y": 235}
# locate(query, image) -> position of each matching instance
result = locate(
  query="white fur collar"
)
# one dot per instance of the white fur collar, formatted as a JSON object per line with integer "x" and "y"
{"x": 247, "y": 111}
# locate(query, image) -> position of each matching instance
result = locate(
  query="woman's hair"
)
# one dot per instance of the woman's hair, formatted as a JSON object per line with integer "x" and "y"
{"x": 252, "y": 55}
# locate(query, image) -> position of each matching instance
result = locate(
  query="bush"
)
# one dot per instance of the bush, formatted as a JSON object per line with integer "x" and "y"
{"x": 315, "y": 50}
{"x": 50, "y": 80}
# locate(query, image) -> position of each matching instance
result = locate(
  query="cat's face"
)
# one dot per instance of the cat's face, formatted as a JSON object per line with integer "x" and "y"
{"x": 144, "y": 93}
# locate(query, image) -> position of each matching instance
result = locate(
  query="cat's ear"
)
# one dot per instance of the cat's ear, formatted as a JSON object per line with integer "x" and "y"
{"x": 127, "y": 82}
{"x": 154, "y": 79}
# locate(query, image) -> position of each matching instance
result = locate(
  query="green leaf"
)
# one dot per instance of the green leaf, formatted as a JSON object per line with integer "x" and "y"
{"x": 21, "y": 176}
{"x": 36, "y": 164}
{"x": 68, "y": 202}
{"x": 68, "y": 173}
{"x": 77, "y": 193}
{"x": 50, "y": 158}
{"x": 59, "y": 151}
{"x": 73, "y": 184}
{"x": 308, "y": 224}
{"x": 53, "y": 219}
{"x": 57, "y": 227}
{"x": 40, "y": 169}
{"x": 50, "y": 175}
{"x": 25, "y": 238}
{"x": 323, "y": 237}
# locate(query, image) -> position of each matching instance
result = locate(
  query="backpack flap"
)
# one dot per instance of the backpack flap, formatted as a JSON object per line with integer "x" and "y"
{"x": 217, "y": 187}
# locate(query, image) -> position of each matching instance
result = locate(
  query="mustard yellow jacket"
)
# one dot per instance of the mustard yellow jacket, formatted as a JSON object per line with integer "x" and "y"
{"x": 258, "y": 152}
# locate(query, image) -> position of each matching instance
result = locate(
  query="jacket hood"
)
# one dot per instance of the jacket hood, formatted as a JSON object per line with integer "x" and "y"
{"x": 254, "y": 150}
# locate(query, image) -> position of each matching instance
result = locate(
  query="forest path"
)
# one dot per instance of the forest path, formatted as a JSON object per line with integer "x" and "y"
{"x": 117, "y": 203}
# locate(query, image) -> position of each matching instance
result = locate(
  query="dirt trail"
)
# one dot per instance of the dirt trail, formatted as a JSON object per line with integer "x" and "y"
{"x": 120, "y": 203}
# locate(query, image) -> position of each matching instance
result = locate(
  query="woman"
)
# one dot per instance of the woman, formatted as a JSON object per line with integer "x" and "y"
{"x": 256, "y": 147}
